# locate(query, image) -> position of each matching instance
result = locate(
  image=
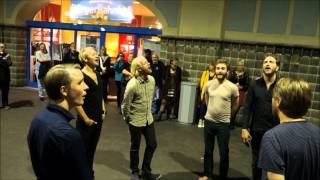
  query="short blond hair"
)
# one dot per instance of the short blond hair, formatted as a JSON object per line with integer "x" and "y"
{"x": 56, "y": 77}
{"x": 295, "y": 96}
{"x": 83, "y": 55}
{"x": 136, "y": 64}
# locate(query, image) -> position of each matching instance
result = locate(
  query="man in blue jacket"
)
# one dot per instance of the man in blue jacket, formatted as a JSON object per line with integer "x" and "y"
{"x": 56, "y": 148}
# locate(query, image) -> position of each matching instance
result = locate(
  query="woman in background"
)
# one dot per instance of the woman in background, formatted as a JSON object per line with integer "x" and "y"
{"x": 206, "y": 76}
{"x": 91, "y": 113}
{"x": 41, "y": 68}
{"x": 241, "y": 78}
{"x": 104, "y": 69}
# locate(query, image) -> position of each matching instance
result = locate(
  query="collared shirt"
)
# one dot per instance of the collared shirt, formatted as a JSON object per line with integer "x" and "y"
{"x": 136, "y": 104}
{"x": 56, "y": 148}
{"x": 258, "y": 106}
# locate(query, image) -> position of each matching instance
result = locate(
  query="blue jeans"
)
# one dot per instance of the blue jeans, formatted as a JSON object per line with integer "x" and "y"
{"x": 41, "y": 89}
{"x": 222, "y": 131}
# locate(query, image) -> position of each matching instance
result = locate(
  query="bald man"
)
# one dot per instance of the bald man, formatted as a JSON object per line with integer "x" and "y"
{"x": 136, "y": 110}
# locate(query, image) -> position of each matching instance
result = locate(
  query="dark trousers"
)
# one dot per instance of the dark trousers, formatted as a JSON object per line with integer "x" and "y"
{"x": 255, "y": 147}
{"x": 90, "y": 136}
{"x": 172, "y": 106}
{"x": 105, "y": 82}
{"x": 151, "y": 144}
{"x": 203, "y": 109}
{"x": 222, "y": 131}
{"x": 4, "y": 87}
{"x": 119, "y": 98}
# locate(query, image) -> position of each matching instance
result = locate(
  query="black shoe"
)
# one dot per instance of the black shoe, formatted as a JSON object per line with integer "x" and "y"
{"x": 159, "y": 117}
{"x": 134, "y": 176}
{"x": 151, "y": 176}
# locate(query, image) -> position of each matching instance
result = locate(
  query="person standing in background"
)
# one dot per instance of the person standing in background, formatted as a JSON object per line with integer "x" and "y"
{"x": 71, "y": 56}
{"x": 240, "y": 78}
{"x": 5, "y": 63}
{"x": 206, "y": 76}
{"x": 291, "y": 150}
{"x": 157, "y": 68}
{"x": 258, "y": 104}
{"x": 126, "y": 73}
{"x": 118, "y": 77}
{"x": 92, "y": 112}
{"x": 171, "y": 90}
{"x": 41, "y": 68}
{"x": 104, "y": 69}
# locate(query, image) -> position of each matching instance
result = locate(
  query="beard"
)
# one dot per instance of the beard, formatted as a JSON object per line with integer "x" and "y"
{"x": 221, "y": 76}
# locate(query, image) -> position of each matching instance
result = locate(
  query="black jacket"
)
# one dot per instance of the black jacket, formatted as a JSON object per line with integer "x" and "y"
{"x": 257, "y": 112}
{"x": 5, "y": 62}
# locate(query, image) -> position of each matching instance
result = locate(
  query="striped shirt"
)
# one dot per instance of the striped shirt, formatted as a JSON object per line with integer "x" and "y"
{"x": 220, "y": 97}
{"x": 136, "y": 104}
{"x": 293, "y": 150}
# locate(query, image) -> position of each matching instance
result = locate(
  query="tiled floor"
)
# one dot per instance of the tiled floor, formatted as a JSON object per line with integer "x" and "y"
{"x": 178, "y": 156}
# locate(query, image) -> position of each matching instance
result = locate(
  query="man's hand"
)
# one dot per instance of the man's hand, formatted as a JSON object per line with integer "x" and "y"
{"x": 90, "y": 122}
{"x": 245, "y": 135}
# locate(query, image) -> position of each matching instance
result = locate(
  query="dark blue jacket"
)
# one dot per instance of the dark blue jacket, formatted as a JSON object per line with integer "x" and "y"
{"x": 56, "y": 148}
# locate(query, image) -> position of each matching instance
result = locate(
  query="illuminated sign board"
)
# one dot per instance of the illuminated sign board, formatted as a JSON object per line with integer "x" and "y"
{"x": 102, "y": 10}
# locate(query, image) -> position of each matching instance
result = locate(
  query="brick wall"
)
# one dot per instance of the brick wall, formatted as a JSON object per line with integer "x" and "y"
{"x": 195, "y": 55}
{"x": 15, "y": 40}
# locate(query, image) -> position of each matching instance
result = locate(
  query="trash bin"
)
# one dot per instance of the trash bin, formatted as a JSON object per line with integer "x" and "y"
{"x": 187, "y": 102}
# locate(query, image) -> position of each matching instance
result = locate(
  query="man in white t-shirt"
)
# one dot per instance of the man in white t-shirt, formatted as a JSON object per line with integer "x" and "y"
{"x": 222, "y": 97}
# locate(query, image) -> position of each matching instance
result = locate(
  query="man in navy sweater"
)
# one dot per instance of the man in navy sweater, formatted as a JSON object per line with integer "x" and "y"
{"x": 56, "y": 148}
{"x": 291, "y": 150}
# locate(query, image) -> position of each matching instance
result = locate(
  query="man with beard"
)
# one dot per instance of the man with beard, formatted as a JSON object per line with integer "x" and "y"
{"x": 258, "y": 107}
{"x": 136, "y": 110}
{"x": 291, "y": 150}
{"x": 222, "y": 97}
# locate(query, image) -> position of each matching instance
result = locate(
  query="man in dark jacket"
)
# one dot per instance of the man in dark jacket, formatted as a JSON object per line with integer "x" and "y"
{"x": 56, "y": 148}
{"x": 5, "y": 62}
{"x": 258, "y": 105}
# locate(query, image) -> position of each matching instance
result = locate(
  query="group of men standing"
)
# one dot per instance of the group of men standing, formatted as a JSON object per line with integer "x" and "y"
{"x": 280, "y": 155}
{"x": 290, "y": 150}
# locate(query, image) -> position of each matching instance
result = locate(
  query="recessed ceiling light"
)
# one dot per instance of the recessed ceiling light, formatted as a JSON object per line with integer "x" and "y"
{"x": 136, "y": 2}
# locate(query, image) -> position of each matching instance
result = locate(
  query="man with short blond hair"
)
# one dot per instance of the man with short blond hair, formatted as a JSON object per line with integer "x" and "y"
{"x": 56, "y": 148}
{"x": 136, "y": 110}
{"x": 291, "y": 150}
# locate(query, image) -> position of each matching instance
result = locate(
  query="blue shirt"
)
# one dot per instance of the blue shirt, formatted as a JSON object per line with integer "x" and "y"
{"x": 118, "y": 70}
{"x": 293, "y": 150}
{"x": 56, "y": 148}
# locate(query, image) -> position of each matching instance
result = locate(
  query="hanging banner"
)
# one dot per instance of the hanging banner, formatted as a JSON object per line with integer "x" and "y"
{"x": 102, "y": 10}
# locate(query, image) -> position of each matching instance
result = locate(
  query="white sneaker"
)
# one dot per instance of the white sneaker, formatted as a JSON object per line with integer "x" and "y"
{"x": 200, "y": 123}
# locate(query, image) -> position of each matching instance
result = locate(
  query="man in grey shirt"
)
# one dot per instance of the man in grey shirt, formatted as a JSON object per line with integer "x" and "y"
{"x": 222, "y": 98}
{"x": 136, "y": 110}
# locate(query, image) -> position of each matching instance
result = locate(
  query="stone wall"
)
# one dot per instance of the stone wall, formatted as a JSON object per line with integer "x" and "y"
{"x": 14, "y": 39}
{"x": 195, "y": 55}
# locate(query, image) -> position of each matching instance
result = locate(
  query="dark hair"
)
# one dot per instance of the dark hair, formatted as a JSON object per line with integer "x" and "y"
{"x": 45, "y": 47}
{"x": 173, "y": 59}
{"x": 274, "y": 56}
{"x": 222, "y": 61}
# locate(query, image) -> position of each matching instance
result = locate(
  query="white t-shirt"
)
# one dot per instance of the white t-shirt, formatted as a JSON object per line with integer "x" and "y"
{"x": 219, "y": 103}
